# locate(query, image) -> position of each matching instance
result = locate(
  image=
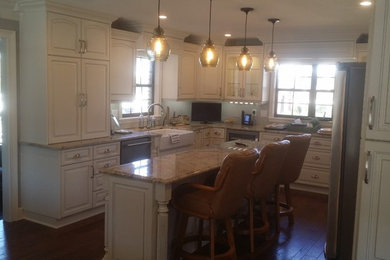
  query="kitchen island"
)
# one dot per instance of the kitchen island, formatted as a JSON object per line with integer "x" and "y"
{"x": 137, "y": 205}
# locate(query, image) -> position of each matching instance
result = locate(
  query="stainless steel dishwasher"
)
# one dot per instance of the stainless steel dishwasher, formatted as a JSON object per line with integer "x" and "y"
{"x": 234, "y": 134}
{"x": 135, "y": 149}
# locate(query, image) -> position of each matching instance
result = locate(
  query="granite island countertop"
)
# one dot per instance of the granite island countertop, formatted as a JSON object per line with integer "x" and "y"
{"x": 177, "y": 166}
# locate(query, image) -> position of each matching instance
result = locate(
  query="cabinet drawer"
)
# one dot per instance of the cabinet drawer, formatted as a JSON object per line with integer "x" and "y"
{"x": 314, "y": 176}
{"x": 106, "y": 150}
{"x": 217, "y": 133}
{"x": 317, "y": 158}
{"x": 105, "y": 163}
{"x": 320, "y": 143}
{"x": 97, "y": 182}
{"x": 269, "y": 137}
{"x": 98, "y": 198}
{"x": 76, "y": 155}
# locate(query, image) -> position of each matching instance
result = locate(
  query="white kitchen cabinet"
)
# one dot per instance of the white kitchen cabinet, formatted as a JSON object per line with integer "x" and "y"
{"x": 373, "y": 227}
{"x": 377, "y": 95}
{"x": 122, "y": 64}
{"x": 209, "y": 136}
{"x": 188, "y": 71}
{"x": 314, "y": 176}
{"x": 210, "y": 80}
{"x": 244, "y": 85}
{"x": 78, "y": 99}
{"x": 63, "y": 95}
{"x": 373, "y": 194}
{"x": 75, "y": 37}
{"x": 66, "y": 183}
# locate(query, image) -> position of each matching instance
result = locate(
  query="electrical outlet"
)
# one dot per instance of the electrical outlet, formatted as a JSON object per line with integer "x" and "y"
{"x": 254, "y": 112}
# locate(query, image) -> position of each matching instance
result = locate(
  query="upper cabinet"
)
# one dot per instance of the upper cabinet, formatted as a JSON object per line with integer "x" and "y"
{"x": 75, "y": 37}
{"x": 210, "y": 79}
{"x": 244, "y": 85}
{"x": 377, "y": 96}
{"x": 122, "y": 64}
{"x": 188, "y": 68}
{"x": 64, "y": 68}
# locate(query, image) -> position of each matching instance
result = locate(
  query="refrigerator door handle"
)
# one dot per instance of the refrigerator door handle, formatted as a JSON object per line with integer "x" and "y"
{"x": 371, "y": 113}
{"x": 368, "y": 163}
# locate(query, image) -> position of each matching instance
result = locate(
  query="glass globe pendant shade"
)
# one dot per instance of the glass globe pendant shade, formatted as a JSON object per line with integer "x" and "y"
{"x": 271, "y": 62}
{"x": 158, "y": 48}
{"x": 244, "y": 61}
{"x": 209, "y": 55}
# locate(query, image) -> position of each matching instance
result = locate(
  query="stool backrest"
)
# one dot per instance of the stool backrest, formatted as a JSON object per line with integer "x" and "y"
{"x": 268, "y": 168}
{"x": 295, "y": 157}
{"x": 231, "y": 182}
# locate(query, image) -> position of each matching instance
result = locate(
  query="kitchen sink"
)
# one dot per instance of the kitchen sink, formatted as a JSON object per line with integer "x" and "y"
{"x": 173, "y": 140}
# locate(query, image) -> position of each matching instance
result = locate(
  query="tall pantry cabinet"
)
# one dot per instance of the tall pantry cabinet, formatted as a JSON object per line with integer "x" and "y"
{"x": 373, "y": 229}
{"x": 64, "y": 88}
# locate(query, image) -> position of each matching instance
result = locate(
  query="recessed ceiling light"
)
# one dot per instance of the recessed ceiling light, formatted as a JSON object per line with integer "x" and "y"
{"x": 366, "y": 3}
{"x": 228, "y": 35}
{"x": 163, "y": 17}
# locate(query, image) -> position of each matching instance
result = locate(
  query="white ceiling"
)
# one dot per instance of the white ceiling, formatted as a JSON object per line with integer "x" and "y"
{"x": 308, "y": 20}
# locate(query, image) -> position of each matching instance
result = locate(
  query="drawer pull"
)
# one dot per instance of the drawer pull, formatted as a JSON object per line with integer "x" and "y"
{"x": 107, "y": 165}
{"x": 315, "y": 176}
{"x": 316, "y": 158}
{"x": 367, "y": 168}
{"x": 107, "y": 150}
{"x": 76, "y": 156}
{"x": 217, "y": 133}
{"x": 371, "y": 113}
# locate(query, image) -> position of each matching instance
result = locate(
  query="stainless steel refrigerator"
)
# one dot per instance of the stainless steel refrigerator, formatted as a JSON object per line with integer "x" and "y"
{"x": 346, "y": 132}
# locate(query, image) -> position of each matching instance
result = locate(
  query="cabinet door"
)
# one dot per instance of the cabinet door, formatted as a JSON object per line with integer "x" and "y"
{"x": 233, "y": 78}
{"x": 210, "y": 80}
{"x": 253, "y": 80}
{"x": 122, "y": 69}
{"x": 64, "y": 35}
{"x": 97, "y": 40}
{"x": 374, "y": 228}
{"x": 377, "y": 95}
{"x": 187, "y": 75}
{"x": 95, "y": 112}
{"x": 76, "y": 188}
{"x": 64, "y": 81}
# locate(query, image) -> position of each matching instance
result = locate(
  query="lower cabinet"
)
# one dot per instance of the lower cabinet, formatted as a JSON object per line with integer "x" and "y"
{"x": 59, "y": 187}
{"x": 209, "y": 136}
{"x": 314, "y": 176}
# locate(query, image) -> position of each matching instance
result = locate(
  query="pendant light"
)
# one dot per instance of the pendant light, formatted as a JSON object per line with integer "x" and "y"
{"x": 209, "y": 56}
{"x": 158, "y": 48}
{"x": 244, "y": 61}
{"x": 272, "y": 62}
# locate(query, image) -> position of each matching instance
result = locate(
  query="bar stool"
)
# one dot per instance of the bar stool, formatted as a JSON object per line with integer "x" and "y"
{"x": 217, "y": 203}
{"x": 268, "y": 168}
{"x": 291, "y": 169}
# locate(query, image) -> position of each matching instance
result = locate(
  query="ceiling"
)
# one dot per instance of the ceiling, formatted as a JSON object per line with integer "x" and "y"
{"x": 301, "y": 20}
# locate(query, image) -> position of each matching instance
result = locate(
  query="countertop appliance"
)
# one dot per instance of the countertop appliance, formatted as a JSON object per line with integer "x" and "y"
{"x": 135, "y": 149}
{"x": 347, "y": 120}
{"x": 235, "y": 134}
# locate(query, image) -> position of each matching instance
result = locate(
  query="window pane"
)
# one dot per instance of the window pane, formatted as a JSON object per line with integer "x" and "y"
{"x": 303, "y": 83}
{"x": 143, "y": 71}
{"x": 301, "y": 97}
{"x": 284, "y": 109}
{"x": 324, "y": 98}
{"x": 285, "y": 96}
{"x": 303, "y": 70}
{"x": 326, "y": 70}
{"x": 325, "y": 84}
{"x": 323, "y": 111}
{"x": 301, "y": 110}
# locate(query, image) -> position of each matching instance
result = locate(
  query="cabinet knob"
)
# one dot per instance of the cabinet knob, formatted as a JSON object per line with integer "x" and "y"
{"x": 316, "y": 158}
{"x": 315, "y": 176}
{"x": 107, "y": 165}
{"x": 107, "y": 150}
{"x": 76, "y": 156}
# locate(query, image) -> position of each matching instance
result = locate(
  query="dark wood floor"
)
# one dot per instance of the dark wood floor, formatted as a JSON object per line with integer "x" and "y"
{"x": 85, "y": 239}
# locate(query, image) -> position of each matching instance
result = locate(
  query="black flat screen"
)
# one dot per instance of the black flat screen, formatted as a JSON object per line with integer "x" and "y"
{"x": 206, "y": 112}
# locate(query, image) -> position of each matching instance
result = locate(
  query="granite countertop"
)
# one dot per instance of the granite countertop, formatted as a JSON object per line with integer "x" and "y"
{"x": 94, "y": 141}
{"x": 174, "y": 167}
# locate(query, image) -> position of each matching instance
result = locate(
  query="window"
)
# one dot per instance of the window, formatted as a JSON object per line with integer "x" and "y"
{"x": 305, "y": 90}
{"x": 143, "y": 91}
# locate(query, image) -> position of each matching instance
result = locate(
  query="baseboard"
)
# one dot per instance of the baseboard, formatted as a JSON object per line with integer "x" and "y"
{"x": 58, "y": 223}
{"x": 310, "y": 188}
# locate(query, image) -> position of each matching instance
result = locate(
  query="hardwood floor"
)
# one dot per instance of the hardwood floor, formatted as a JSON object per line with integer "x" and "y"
{"x": 85, "y": 239}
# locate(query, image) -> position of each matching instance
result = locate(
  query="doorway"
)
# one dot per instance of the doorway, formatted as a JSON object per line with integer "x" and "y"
{"x": 8, "y": 89}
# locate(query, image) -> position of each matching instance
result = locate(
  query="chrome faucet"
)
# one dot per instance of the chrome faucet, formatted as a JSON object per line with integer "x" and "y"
{"x": 163, "y": 116}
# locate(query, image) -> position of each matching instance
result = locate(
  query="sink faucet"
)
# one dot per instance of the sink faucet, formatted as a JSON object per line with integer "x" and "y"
{"x": 163, "y": 116}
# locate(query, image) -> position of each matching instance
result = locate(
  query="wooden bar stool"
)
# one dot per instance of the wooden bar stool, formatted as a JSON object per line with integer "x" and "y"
{"x": 217, "y": 203}
{"x": 267, "y": 170}
{"x": 291, "y": 169}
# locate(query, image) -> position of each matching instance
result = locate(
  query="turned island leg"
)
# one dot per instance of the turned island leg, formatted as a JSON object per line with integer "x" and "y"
{"x": 163, "y": 196}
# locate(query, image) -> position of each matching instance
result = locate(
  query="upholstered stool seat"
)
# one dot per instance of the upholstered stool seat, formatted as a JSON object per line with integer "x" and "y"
{"x": 216, "y": 203}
